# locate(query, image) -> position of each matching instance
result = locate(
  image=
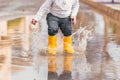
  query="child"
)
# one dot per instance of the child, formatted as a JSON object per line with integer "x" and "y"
{"x": 62, "y": 14}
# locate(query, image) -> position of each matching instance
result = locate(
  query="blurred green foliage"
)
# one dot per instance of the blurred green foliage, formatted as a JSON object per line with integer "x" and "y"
{"x": 15, "y": 23}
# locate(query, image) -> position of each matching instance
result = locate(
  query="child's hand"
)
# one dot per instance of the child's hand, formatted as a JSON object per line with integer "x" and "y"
{"x": 73, "y": 19}
{"x": 33, "y": 25}
{"x": 33, "y": 22}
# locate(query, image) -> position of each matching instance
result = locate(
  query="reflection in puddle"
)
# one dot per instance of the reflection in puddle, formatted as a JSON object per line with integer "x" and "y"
{"x": 5, "y": 58}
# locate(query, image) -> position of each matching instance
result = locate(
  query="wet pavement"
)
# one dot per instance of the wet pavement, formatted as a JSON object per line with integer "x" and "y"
{"x": 93, "y": 64}
{"x": 98, "y": 57}
{"x": 100, "y": 61}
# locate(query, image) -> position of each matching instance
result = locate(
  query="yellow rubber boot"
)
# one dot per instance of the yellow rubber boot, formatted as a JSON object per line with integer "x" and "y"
{"x": 52, "y": 63}
{"x": 52, "y": 44}
{"x": 68, "y": 44}
{"x": 68, "y": 63}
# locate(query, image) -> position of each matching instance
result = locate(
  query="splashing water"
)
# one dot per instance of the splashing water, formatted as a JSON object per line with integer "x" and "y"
{"x": 80, "y": 37}
{"x": 39, "y": 43}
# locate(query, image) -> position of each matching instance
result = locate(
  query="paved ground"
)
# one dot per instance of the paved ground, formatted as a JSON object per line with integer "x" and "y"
{"x": 96, "y": 65}
{"x": 15, "y": 8}
{"x": 100, "y": 61}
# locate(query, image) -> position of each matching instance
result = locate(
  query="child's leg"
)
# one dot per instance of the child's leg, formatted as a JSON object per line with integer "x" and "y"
{"x": 66, "y": 29}
{"x": 52, "y": 22}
